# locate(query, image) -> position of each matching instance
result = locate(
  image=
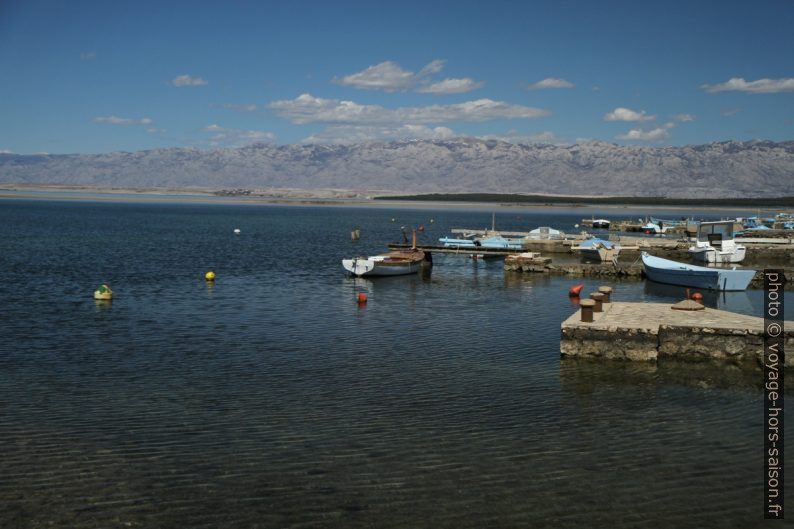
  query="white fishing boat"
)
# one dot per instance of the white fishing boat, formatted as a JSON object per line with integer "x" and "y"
{"x": 396, "y": 263}
{"x": 675, "y": 273}
{"x": 599, "y": 249}
{"x": 601, "y": 224}
{"x": 716, "y": 244}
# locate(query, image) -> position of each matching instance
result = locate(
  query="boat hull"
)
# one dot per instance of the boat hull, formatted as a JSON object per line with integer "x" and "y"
{"x": 599, "y": 254}
{"x": 675, "y": 273}
{"x": 378, "y": 266}
{"x": 715, "y": 256}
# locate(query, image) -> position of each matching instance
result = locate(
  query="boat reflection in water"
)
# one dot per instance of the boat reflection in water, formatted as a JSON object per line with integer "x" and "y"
{"x": 733, "y": 301}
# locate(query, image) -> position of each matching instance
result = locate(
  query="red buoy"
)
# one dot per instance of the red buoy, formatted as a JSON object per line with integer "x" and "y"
{"x": 361, "y": 298}
{"x": 697, "y": 296}
{"x": 575, "y": 290}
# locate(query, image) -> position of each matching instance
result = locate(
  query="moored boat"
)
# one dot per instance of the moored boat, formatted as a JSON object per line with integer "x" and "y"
{"x": 675, "y": 273}
{"x": 668, "y": 222}
{"x": 599, "y": 249}
{"x": 545, "y": 233}
{"x": 716, "y": 244}
{"x": 601, "y": 224}
{"x": 453, "y": 242}
{"x": 396, "y": 263}
{"x": 651, "y": 228}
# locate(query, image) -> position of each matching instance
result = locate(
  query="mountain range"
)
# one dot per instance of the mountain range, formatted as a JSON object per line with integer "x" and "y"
{"x": 465, "y": 165}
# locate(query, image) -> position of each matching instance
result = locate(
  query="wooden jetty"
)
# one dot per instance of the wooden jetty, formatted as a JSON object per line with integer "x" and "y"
{"x": 652, "y": 331}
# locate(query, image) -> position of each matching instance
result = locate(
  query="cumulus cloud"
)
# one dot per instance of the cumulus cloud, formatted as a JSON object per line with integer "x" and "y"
{"x": 391, "y": 77}
{"x": 730, "y": 111}
{"x": 115, "y": 120}
{"x": 626, "y": 114}
{"x": 344, "y": 134}
{"x": 87, "y": 55}
{"x": 683, "y": 118}
{"x": 551, "y": 82}
{"x": 186, "y": 80}
{"x": 432, "y": 67}
{"x": 223, "y": 137}
{"x": 6, "y": 151}
{"x": 309, "y": 109}
{"x": 656, "y": 134}
{"x": 387, "y": 76}
{"x": 761, "y": 86}
{"x": 451, "y": 86}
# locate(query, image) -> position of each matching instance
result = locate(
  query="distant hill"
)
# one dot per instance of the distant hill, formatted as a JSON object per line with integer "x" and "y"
{"x": 464, "y": 165}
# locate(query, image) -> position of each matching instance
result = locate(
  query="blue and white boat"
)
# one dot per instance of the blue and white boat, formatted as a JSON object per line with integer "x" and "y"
{"x": 667, "y": 222}
{"x": 715, "y": 243}
{"x": 675, "y": 273}
{"x": 491, "y": 241}
{"x": 599, "y": 249}
{"x": 452, "y": 242}
{"x": 651, "y": 228}
{"x": 497, "y": 241}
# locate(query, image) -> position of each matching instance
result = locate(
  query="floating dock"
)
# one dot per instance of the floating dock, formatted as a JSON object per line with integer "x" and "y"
{"x": 651, "y": 331}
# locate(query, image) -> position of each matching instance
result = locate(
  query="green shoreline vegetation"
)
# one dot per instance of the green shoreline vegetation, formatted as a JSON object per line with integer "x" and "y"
{"x": 635, "y": 201}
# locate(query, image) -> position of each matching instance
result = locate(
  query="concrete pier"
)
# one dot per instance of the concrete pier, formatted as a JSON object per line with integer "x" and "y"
{"x": 652, "y": 331}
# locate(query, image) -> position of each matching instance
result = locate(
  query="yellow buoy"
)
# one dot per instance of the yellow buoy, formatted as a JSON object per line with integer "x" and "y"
{"x": 210, "y": 276}
{"x": 103, "y": 292}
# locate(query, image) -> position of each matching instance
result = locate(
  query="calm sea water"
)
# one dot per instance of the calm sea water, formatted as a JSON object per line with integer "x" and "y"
{"x": 271, "y": 399}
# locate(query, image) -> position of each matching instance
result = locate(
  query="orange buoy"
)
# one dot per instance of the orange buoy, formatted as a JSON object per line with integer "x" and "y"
{"x": 361, "y": 298}
{"x": 697, "y": 296}
{"x": 575, "y": 290}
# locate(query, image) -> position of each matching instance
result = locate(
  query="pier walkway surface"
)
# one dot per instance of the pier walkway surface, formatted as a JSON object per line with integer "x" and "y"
{"x": 649, "y": 331}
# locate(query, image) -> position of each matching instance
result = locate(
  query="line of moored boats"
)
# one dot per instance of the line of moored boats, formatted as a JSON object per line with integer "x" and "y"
{"x": 714, "y": 243}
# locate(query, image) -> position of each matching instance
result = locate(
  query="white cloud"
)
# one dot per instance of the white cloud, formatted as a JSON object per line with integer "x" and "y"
{"x": 186, "y": 80}
{"x": 115, "y": 120}
{"x": 730, "y": 111}
{"x": 432, "y": 67}
{"x": 551, "y": 82}
{"x": 650, "y": 135}
{"x": 223, "y": 137}
{"x": 344, "y": 134}
{"x": 390, "y": 77}
{"x": 87, "y": 55}
{"x": 6, "y": 151}
{"x": 309, "y": 109}
{"x": 154, "y": 130}
{"x": 451, "y": 86}
{"x": 683, "y": 118}
{"x": 625, "y": 114}
{"x": 761, "y": 86}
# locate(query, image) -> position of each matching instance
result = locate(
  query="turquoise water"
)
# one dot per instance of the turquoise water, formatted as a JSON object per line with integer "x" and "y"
{"x": 272, "y": 399}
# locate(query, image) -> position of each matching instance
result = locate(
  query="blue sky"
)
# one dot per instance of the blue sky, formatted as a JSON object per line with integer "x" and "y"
{"x": 90, "y": 77}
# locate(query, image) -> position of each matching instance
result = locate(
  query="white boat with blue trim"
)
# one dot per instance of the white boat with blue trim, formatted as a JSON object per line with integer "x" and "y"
{"x": 687, "y": 275}
{"x": 716, "y": 244}
{"x": 599, "y": 249}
